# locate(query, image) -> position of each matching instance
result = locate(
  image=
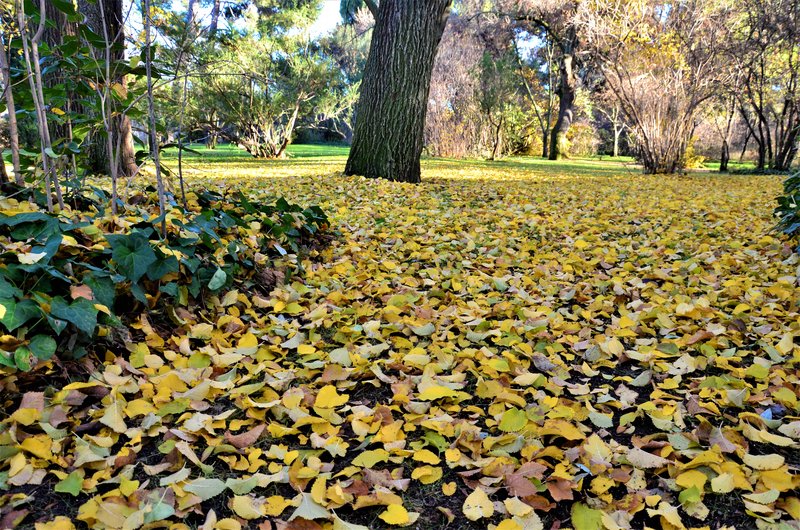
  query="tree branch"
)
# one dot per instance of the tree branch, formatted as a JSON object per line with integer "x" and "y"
{"x": 373, "y": 8}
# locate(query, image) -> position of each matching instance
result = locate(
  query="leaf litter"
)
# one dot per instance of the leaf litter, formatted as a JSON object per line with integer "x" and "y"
{"x": 493, "y": 349}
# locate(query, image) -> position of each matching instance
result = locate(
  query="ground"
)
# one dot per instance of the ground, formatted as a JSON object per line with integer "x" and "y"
{"x": 519, "y": 344}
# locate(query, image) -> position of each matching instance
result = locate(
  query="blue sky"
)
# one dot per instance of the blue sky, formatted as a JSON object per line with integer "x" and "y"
{"x": 328, "y": 18}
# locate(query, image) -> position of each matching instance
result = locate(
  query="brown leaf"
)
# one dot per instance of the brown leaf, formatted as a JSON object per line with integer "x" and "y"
{"x": 246, "y": 439}
{"x": 520, "y": 486}
{"x": 32, "y": 400}
{"x": 560, "y": 490}
{"x": 81, "y": 291}
{"x": 297, "y": 524}
{"x": 718, "y": 438}
{"x": 700, "y": 335}
{"x": 532, "y": 469}
{"x": 13, "y": 518}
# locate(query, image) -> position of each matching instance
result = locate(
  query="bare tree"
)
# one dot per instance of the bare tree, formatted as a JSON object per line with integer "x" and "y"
{"x": 610, "y": 107}
{"x": 769, "y": 56}
{"x": 559, "y": 22}
{"x": 662, "y": 63}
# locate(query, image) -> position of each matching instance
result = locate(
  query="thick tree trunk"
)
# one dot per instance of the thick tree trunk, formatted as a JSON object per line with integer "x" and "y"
{"x": 559, "y": 145}
{"x": 100, "y": 158}
{"x": 617, "y": 134}
{"x": 724, "y": 156}
{"x": 390, "y": 114}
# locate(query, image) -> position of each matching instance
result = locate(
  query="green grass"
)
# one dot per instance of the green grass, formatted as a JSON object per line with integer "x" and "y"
{"x": 231, "y": 153}
{"x": 335, "y": 156}
{"x": 227, "y": 157}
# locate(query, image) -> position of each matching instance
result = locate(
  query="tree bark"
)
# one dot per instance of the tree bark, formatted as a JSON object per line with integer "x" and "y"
{"x": 13, "y": 131}
{"x": 390, "y": 114}
{"x": 111, "y": 17}
{"x": 724, "y": 156}
{"x": 215, "y": 11}
{"x": 3, "y": 174}
{"x": 559, "y": 145}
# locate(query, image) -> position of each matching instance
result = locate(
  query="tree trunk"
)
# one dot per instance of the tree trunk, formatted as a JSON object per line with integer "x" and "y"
{"x": 100, "y": 158}
{"x": 617, "y": 134}
{"x": 559, "y": 145}
{"x": 287, "y": 139}
{"x": 390, "y": 114}
{"x": 215, "y": 10}
{"x": 545, "y": 143}
{"x": 725, "y": 156}
{"x": 13, "y": 131}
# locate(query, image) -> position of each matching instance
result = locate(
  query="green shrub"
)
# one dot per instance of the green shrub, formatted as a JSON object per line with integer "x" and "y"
{"x": 788, "y": 209}
{"x": 67, "y": 280}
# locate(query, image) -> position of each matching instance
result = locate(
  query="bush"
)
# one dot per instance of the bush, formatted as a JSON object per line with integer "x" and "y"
{"x": 691, "y": 159}
{"x": 583, "y": 140}
{"x": 788, "y": 209}
{"x": 66, "y": 281}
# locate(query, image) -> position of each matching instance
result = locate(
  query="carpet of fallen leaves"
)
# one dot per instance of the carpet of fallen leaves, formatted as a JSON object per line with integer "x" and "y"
{"x": 495, "y": 348}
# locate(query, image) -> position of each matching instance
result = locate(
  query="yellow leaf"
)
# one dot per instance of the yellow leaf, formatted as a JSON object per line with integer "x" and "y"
{"x": 38, "y": 446}
{"x": 426, "y": 457}
{"x": 763, "y": 462}
{"x": 508, "y": 524}
{"x": 516, "y": 507}
{"x": 615, "y": 347}
{"x": 127, "y": 487}
{"x": 328, "y": 398}
{"x": 244, "y": 507}
{"x": 427, "y": 474}
{"x": 59, "y": 523}
{"x": 228, "y": 524}
{"x": 370, "y": 458}
{"x": 434, "y": 392}
{"x": 113, "y": 414}
{"x": 692, "y": 478}
{"x": 275, "y": 505}
{"x": 477, "y": 505}
{"x": 395, "y": 514}
{"x": 306, "y": 349}
{"x": 722, "y": 483}
{"x": 26, "y": 416}
{"x": 449, "y": 488}
{"x": 777, "y": 479}
{"x": 318, "y": 490}
{"x": 786, "y": 344}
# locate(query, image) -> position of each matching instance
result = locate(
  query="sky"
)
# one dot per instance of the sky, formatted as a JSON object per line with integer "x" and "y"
{"x": 328, "y": 18}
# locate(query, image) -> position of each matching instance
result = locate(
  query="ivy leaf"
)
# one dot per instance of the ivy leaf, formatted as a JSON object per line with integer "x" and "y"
{"x": 23, "y": 358}
{"x": 132, "y": 253}
{"x": 43, "y": 347}
{"x": 218, "y": 279}
{"x": 80, "y": 312}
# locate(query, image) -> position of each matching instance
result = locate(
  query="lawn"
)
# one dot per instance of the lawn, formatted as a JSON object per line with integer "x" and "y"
{"x": 515, "y": 345}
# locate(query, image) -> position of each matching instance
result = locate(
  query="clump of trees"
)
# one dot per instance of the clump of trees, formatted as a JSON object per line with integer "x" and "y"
{"x": 660, "y": 81}
{"x": 668, "y": 83}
